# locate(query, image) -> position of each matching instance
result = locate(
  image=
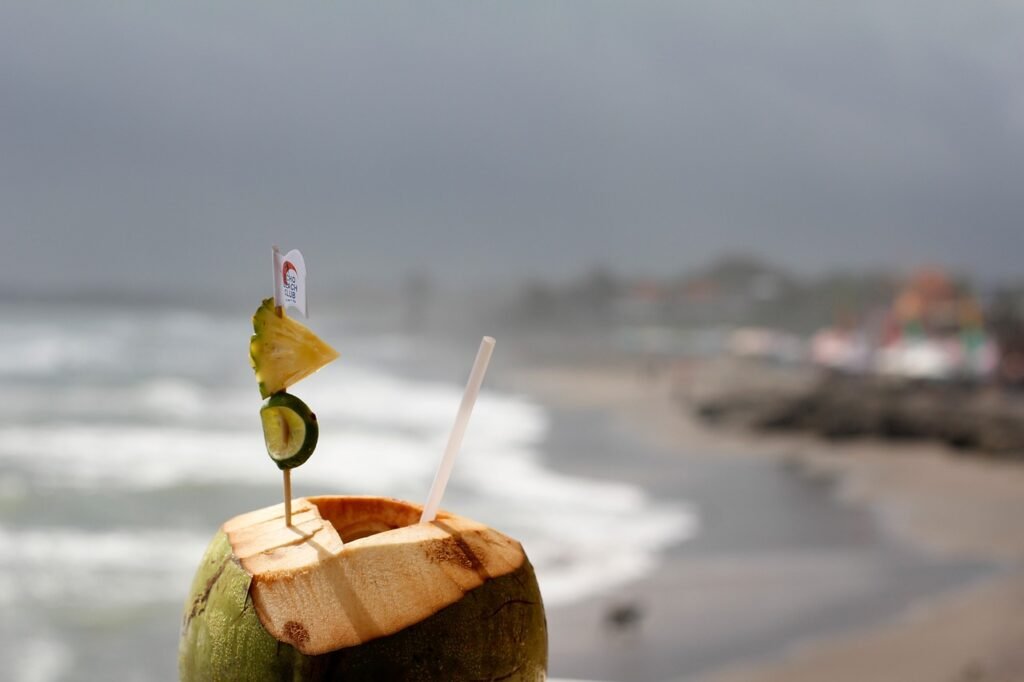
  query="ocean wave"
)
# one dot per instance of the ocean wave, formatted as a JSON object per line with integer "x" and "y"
{"x": 576, "y": 553}
{"x": 83, "y": 569}
{"x": 156, "y": 401}
{"x": 37, "y": 658}
{"x": 345, "y": 395}
{"x": 74, "y": 340}
{"x": 584, "y": 536}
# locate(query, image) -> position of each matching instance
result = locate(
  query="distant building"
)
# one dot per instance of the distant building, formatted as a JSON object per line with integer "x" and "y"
{"x": 932, "y": 302}
{"x": 934, "y": 329}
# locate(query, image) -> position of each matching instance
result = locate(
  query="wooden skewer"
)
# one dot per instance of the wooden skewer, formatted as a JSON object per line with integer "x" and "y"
{"x": 287, "y": 474}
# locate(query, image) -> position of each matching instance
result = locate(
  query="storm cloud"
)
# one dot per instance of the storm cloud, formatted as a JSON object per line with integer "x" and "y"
{"x": 166, "y": 145}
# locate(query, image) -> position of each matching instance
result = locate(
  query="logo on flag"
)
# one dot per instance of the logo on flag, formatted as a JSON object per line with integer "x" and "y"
{"x": 290, "y": 280}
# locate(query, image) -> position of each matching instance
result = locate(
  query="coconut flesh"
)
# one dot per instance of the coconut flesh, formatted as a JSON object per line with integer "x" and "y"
{"x": 356, "y": 588}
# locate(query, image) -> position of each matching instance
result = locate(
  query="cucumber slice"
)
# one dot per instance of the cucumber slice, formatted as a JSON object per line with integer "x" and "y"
{"x": 290, "y": 430}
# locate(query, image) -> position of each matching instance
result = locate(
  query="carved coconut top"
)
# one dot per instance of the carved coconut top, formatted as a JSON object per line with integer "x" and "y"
{"x": 352, "y": 569}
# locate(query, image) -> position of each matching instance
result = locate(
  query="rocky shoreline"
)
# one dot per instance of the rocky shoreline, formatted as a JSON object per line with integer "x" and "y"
{"x": 967, "y": 417}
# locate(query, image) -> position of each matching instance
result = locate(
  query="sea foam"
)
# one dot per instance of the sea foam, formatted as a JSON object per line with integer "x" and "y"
{"x": 161, "y": 402}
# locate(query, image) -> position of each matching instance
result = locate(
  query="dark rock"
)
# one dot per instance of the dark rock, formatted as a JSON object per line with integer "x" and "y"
{"x": 835, "y": 406}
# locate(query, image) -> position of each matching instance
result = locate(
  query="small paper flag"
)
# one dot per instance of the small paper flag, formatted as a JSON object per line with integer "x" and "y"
{"x": 290, "y": 280}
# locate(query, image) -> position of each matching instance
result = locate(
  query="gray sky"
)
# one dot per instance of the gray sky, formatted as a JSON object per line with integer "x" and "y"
{"x": 152, "y": 145}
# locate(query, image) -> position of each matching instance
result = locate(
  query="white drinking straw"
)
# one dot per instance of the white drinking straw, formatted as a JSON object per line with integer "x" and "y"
{"x": 444, "y": 471}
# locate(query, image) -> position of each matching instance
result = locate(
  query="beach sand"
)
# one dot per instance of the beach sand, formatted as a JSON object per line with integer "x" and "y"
{"x": 955, "y": 507}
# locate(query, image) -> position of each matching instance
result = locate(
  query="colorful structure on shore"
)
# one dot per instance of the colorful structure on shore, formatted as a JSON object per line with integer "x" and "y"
{"x": 933, "y": 329}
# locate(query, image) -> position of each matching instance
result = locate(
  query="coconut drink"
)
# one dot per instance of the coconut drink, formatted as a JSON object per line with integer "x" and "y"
{"x": 358, "y": 589}
{"x": 354, "y": 588}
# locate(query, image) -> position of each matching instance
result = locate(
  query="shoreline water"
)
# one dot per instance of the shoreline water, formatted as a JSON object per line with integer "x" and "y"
{"x": 951, "y": 511}
{"x": 136, "y": 435}
{"x": 109, "y": 452}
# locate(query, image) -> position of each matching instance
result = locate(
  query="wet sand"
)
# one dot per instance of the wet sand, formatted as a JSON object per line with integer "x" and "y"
{"x": 952, "y": 556}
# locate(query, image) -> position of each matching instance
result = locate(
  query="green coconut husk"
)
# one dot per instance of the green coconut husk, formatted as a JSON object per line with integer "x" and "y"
{"x": 470, "y": 594}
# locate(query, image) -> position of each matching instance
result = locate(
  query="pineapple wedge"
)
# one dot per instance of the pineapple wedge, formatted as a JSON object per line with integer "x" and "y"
{"x": 283, "y": 351}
